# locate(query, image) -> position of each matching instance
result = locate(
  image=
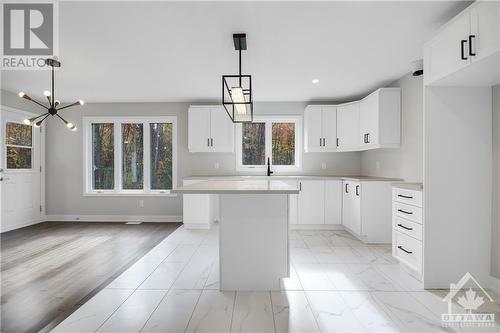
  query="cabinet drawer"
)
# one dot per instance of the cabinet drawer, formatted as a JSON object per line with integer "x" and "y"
{"x": 409, "y": 212}
{"x": 408, "y": 227}
{"x": 408, "y": 250}
{"x": 407, "y": 196}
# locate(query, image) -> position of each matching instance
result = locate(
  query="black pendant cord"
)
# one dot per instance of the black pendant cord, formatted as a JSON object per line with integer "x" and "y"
{"x": 240, "y": 63}
{"x": 53, "y": 96}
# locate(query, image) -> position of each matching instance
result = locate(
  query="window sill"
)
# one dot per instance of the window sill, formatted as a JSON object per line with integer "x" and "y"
{"x": 128, "y": 194}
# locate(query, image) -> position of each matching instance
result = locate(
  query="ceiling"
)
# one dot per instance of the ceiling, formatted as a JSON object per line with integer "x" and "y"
{"x": 177, "y": 51}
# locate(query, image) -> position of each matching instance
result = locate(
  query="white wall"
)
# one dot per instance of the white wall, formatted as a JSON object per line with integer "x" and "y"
{"x": 495, "y": 229}
{"x": 404, "y": 162}
{"x": 64, "y": 159}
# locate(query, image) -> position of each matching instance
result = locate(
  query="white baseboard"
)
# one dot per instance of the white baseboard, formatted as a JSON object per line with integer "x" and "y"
{"x": 494, "y": 284}
{"x": 113, "y": 218}
{"x": 316, "y": 227}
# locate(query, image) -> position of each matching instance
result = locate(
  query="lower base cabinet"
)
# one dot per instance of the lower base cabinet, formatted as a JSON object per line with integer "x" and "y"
{"x": 366, "y": 210}
{"x": 200, "y": 211}
{"x": 319, "y": 202}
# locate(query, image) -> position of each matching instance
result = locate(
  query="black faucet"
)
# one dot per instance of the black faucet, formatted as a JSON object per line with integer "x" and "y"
{"x": 269, "y": 172}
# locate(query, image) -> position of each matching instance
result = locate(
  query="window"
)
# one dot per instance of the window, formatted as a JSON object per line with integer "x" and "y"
{"x": 276, "y": 138}
{"x": 18, "y": 145}
{"x": 132, "y": 156}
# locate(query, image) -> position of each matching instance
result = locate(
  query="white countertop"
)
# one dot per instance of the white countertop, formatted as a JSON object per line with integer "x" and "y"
{"x": 409, "y": 186}
{"x": 238, "y": 186}
{"x": 305, "y": 177}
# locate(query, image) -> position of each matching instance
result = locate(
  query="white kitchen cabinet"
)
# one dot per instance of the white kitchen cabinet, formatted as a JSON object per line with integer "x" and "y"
{"x": 200, "y": 211}
{"x": 333, "y": 202}
{"x": 366, "y": 210}
{"x": 380, "y": 118}
{"x": 320, "y": 128}
{"x": 293, "y": 201}
{"x": 209, "y": 130}
{"x": 311, "y": 202}
{"x": 472, "y": 35}
{"x": 348, "y": 126}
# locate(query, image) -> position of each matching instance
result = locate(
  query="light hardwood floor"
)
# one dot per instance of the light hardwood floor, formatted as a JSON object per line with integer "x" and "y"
{"x": 51, "y": 269}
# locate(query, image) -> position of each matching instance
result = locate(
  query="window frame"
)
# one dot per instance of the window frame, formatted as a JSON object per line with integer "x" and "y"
{"x": 118, "y": 155}
{"x": 269, "y": 120}
{"x": 6, "y": 145}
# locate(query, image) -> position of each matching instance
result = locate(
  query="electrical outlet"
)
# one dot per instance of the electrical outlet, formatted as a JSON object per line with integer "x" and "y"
{"x": 323, "y": 165}
{"x": 377, "y": 165}
{"x": 216, "y": 165}
{"x": 141, "y": 203}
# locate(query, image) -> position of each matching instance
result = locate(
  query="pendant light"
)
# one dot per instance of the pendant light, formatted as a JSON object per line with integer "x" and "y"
{"x": 237, "y": 89}
{"x": 53, "y": 106}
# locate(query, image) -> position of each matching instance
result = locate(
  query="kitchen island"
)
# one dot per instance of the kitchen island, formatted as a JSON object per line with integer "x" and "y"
{"x": 253, "y": 231}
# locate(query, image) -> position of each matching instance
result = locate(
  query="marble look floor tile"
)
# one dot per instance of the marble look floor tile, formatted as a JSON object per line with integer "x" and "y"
{"x": 372, "y": 278}
{"x": 384, "y": 254}
{"x": 134, "y": 312}
{"x": 312, "y": 277}
{"x": 182, "y": 253}
{"x": 343, "y": 278}
{"x": 292, "y": 282}
{"x": 355, "y": 255}
{"x": 400, "y": 277}
{"x": 252, "y": 312}
{"x": 410, "y": 313}
{"x": 213, "y": 312}
{"x": 134, "y": 276}
{"x": 297, "y": 243}
{"x": 195, "y": 237}
{"x": 299, "y": 255}
{"x": 159, "y": 252}
{"x": 332, "y": 257}
{"x": 213, "y": 280}
{"x": 292, "y": 312}
{"x": 370, "y": 312}
{"x": 332, "y": 313}
{"x": 195, "y": 274}
{"x": 344, "y": 239}
{"x": 293, "y": 234}
{"x": 94, "y": 312}
{"x": 164, "y": 276}
{"x": 173, "y": 313}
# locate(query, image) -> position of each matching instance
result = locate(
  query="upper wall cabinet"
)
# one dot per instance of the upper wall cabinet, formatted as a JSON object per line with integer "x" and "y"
{"x": 348, "y": 126}
{"x": 320, "y": 128}
{"x": 210, "y": 130}
{"x": 379, "y": 119}
{"x": 469, "y": 41}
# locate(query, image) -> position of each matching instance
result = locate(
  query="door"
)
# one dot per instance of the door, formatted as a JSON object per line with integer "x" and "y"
{"x": 348, "y": 126}
{"x": 21, "y": 176}
{"x": 333, "y": 202}
{"x": 199, "y": 129}
{"x": 222, "y": 131}
{"x": 329, "y": 128}
{"x": 443, "y": 54}
{"x": 485, "y": 29}
{"x": 312, "y": 202}
{"x": 313, "y": 129}
{"x": 368, "y": 120}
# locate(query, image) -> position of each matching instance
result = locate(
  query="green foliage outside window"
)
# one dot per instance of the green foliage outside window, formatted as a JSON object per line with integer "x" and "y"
{"x": 132, "y": 157}
{"x": 161, "y": 156}
{"x": 18, "y": 142}
{"x": 283, "y": 143}
{"x": 254, "y": 144}
{"x": 103, "y": 156}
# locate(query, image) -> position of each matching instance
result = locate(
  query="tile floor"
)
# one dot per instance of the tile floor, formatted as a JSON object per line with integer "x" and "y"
{"x": 338, "y": 284}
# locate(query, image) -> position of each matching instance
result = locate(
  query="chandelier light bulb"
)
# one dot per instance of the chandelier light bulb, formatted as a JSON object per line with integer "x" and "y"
{"x": 57, "y": 102}
{"x": 81, "y": 102}
{"x": 73, "y": 128}
{"x": 70, "y": 125}
{"x": 21, "y": 94}
{"x": 46, "y": 93}
{"x": 26, "y": 122}
{"x": 37, "y": 124}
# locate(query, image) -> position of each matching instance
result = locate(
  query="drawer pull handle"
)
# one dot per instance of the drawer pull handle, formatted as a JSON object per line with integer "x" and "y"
{"x": 404, "y": 227}
{"x": 403, "y": 249}
{"x": 405, "y": 212}
{"x": 404, "y": 196}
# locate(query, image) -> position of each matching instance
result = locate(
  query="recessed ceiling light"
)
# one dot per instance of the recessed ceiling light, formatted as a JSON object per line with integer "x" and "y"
{"x": 314, "y": 81}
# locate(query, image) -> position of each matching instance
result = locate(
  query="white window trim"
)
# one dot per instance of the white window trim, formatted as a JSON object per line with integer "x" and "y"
{"x": 117, "y": 121}
{"x": 297, "y": 120}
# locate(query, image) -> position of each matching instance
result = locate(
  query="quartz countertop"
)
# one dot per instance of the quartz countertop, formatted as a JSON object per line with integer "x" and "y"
{"x": 284, "y": 177}
{"x": 237, "y": 186}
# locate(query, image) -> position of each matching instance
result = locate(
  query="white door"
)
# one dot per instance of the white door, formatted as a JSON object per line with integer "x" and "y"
{"x": 348, "y": 126}
{"x": 485, "y": 22}
{"x": 329, "y": 128}
{"x": 443, "y": 54}
{"x": 312, "y": 202}
{"x": 333, "y": 202}
{"x": 313, "y": 129}
{"x": 222, "y": 131}
{"x": 199, "y": 129}
{"x": 368, "y": 120}
{"x": 21, "y": 176}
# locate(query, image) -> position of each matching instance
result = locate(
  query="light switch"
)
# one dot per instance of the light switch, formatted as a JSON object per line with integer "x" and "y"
{"x": 216, "y": 165}
{"x": 323, "y": 165}
{"x": 141, "y": 203}
{"x": 377, "y": 165}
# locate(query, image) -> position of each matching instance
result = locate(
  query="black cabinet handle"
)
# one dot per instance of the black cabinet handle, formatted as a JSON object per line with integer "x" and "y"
{"x": 404, "y": 211}
{"x": 208, "y": 142}
{"x": 300, "y": 186}
{"x": 367, "y": 137}
{"x": 462, "y": 42}
{"x": 320, "y": 142}
{"x": 211, "y": 142}
{"x": 337, "y": 142}
{"x": 324, "y": 142}
{"x": 346, "y": 190}
{"x": 357, "y": 190}
{"x": 404, "y": 196}
{"x": 470, "y": 45}
{"x": 402, "y": 249}
{"x": 404, "y": 227}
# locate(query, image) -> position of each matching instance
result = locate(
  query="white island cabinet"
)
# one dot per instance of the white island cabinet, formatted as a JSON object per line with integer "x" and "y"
{"x": 253, "y": 231}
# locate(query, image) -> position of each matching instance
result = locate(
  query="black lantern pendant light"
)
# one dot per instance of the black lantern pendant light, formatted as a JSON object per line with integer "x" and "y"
{"x": 53, "y": 107}
{"x": 237, "y": 89}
